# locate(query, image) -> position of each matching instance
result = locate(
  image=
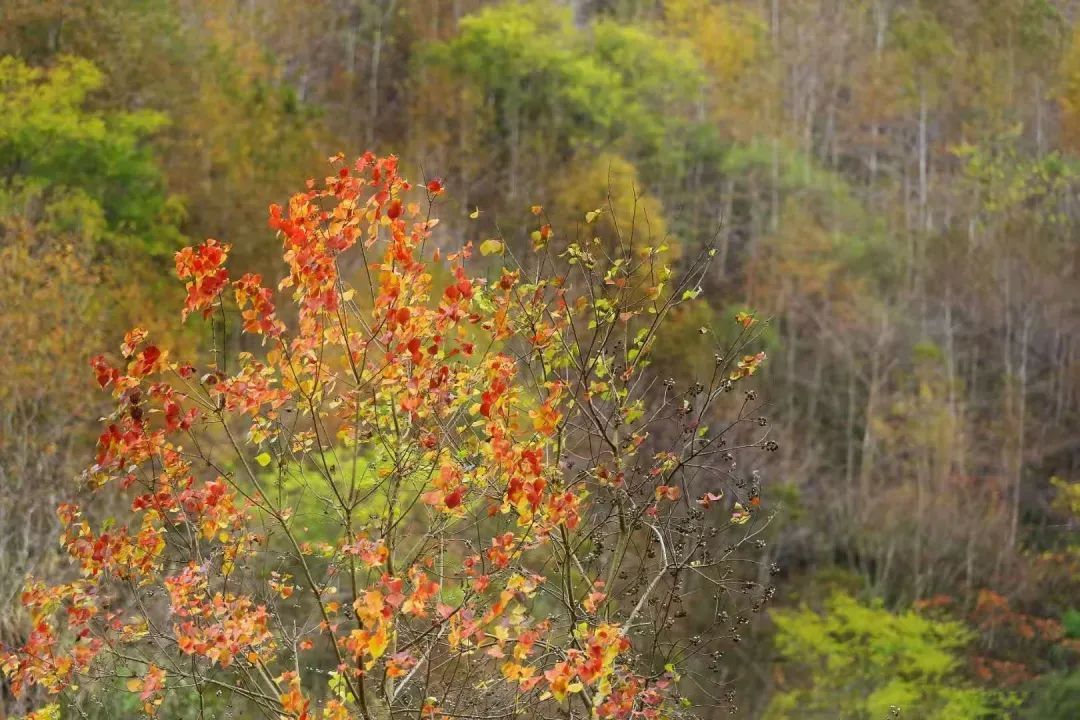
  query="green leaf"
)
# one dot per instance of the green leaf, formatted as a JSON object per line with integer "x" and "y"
{"x": 691, "y": 294}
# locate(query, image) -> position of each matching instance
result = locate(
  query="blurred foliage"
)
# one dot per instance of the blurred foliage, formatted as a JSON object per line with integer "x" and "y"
{"x": 1055, "y": 697}
{"x": 863, "y": 661}
{"x": 51, "y": 143}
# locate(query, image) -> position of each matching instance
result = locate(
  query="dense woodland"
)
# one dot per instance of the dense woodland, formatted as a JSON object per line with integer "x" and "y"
{"x": 891, "y": 186}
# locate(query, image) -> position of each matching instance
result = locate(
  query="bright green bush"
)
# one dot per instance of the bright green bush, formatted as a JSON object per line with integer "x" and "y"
{"x": 859, "y": 662}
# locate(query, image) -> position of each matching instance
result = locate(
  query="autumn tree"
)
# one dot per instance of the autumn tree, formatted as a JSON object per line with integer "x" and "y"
{"x": 81, "y": 196}
{"x": 893, "y": 182}
{"x": 432, "y": 492}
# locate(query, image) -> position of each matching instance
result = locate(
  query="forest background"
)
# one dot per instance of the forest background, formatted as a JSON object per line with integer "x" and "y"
{"x": 891, "y": 184}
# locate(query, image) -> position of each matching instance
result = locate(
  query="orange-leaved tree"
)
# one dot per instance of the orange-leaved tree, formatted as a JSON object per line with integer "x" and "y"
{"x": 434, "y": 494}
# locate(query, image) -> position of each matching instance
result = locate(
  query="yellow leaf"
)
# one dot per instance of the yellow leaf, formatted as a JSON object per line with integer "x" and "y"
{"x": 491, "y": 247}
{"x": 377, "y": 645}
